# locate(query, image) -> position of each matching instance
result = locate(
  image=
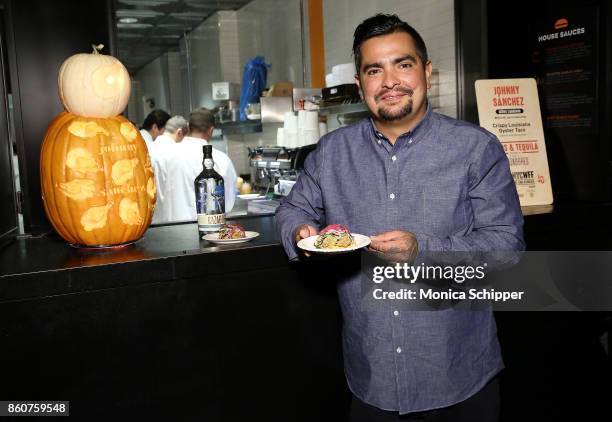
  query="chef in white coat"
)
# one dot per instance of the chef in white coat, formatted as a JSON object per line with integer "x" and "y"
{"x": 177, "y": 161}
{"x": 153, "y": 126}
{"x": 166, "y": 161}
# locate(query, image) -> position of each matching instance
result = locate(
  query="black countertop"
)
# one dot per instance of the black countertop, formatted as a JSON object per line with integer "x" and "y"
{"x": 47, "y": 265}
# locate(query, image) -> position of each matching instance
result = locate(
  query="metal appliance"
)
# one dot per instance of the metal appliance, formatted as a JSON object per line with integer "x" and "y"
{"x": 271, "y": 164}
{"x": 227, "y": 97}
{"x": 267, "y": 164}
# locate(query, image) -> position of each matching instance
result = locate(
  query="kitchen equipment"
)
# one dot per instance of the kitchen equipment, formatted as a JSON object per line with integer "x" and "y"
{"x": 298, "y": 156}
{"x": 253, "y": 111}
{"x": 285, "y": 183}
{"x": 281, "y": 89}
{"x": 267, "y": 164}
{"x": 226, "y": 91}
{"x": 341, "y": 94}
{"x": 227, "y": 96}
{"x": 263, "y": 206}
{"x": 306, "y": 98}
{"x": 273, "y": 109}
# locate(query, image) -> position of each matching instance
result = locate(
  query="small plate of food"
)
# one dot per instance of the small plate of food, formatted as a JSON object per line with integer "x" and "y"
{"x": 333, "y": 239}
{"x": 229, "y": 234}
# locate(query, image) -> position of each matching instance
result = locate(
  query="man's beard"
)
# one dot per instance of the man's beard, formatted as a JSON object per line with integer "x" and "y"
{"x": 389, "y": 116}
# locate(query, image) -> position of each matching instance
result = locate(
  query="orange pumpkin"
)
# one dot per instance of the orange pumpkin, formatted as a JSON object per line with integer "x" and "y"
{"x": 97, "y": 181}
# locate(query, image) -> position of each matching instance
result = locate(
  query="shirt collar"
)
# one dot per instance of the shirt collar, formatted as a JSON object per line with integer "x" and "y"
{"x": 194, "y": 140}
{"x": 414, "y": 135}
{"x": 165, "y": 139}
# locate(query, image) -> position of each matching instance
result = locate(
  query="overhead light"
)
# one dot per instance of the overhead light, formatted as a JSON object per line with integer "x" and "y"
{"x": 137, "y": 13}
{"x": 128, "y": 20}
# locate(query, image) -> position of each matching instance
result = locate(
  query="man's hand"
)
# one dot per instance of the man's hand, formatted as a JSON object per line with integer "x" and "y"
{"x": 304, "y": 231}
{"x": 396, "y": 245}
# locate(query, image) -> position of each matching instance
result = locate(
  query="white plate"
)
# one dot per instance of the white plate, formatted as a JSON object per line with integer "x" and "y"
{"x": 214, "y": 238}
{"x": 251, "y": 196}
{"x": 308, "y": 244}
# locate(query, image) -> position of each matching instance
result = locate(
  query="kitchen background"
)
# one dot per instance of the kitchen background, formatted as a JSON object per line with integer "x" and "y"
{"x": 217, "y": 49}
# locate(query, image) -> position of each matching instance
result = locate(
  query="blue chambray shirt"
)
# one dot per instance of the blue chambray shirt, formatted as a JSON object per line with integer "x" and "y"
{"x": 449, "y": 183}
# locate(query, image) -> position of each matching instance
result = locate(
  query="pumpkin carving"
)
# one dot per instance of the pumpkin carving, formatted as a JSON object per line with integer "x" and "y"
{"x": 94, "y": 85}
{"x": 97, "y": 182}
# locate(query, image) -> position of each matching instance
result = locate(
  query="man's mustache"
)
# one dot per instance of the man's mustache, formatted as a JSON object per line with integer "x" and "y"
{"x": 401, "y": 90}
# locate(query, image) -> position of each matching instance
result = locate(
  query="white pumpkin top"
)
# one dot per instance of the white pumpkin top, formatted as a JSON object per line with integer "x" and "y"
{"x": 94, "y": 85}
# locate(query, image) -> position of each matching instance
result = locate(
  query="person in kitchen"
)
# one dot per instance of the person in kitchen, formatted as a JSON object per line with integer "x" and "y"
{"x": 177, "y": 158}
{"x": 168, "y": 169}
{"x": 153, "y": 126}
{"x": 413, "y": 180}
{"x": 190, "y": 157}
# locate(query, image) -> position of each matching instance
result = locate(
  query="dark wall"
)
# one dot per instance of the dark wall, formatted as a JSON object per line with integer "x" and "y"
{"x": 8, "y": 211}
{"x": 472, "y": 51}
{"x": 41, "y": 35}
{"x": 579, "y": 158}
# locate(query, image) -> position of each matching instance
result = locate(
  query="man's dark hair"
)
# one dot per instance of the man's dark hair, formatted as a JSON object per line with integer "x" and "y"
{"x": 382, "y": 24}
{"x": 201, "y": 119}
{"x": 158, "y": 117}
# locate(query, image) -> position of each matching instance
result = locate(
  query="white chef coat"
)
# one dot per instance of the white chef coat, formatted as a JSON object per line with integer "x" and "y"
{"x": 176, "y": 165}
{"x": 161, "y": 152}
{"x": 147, "y": 137}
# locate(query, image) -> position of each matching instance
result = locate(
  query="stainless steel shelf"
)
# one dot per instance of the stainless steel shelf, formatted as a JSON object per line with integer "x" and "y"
{"x": 354, "y": 108}
{"x": 246, "y": 126}
{"x": 241, "y": 127}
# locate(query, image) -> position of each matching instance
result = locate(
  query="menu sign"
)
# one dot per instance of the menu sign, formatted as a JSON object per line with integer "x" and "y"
{"x": 564, "y": 58}
{"x": 510, "y": 109}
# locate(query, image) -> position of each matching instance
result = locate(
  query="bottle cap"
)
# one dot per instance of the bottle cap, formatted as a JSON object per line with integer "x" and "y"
{"x": 207, "y": 150}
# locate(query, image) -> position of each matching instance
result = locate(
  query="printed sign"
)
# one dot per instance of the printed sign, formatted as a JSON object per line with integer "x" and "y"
{"x": 510, "y": 109}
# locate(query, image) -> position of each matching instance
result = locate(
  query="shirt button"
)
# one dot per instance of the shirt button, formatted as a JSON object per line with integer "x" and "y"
{"x": 393, "y": 158}
{"x": 379, "y": 142}
{"x": 396, "y": 313}
{"x": 392, "y": 196}
{"x": 398, "y": 350}
{"x": 410, "y": 141}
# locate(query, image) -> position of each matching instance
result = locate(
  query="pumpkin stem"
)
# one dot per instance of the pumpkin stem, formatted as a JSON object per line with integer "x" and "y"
{"x": 97, "y": 48}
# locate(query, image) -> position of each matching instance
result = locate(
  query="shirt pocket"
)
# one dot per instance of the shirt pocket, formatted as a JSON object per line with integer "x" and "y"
{"x": 445, "y": 211}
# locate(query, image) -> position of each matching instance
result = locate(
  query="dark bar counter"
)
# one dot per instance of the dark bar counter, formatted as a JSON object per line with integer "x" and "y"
{"x": 45, "y": 266}
{"x": 171, "y": 327}
{"x": 176, "y": 328}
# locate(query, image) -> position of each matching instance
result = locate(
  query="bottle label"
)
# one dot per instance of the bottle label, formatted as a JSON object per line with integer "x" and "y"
{"x": 210, "y": 205}
{"x": 210, "y": 197}
{"x": 210, "y": 222}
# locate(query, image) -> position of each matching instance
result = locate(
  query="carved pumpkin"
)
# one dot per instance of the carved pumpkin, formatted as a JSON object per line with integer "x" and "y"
{"x": 97, "y": 182}
{"x": 94, "y": 85}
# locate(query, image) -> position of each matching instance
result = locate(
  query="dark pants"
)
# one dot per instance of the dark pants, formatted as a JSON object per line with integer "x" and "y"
{"x": 481, "y": 407}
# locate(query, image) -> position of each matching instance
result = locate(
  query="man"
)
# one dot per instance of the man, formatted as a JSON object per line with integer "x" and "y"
{"x": 201, "y": 125}
{"x": 412, "y": 180}
{"x": 168, "y": 170}
{"x": 153, "y": 126}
